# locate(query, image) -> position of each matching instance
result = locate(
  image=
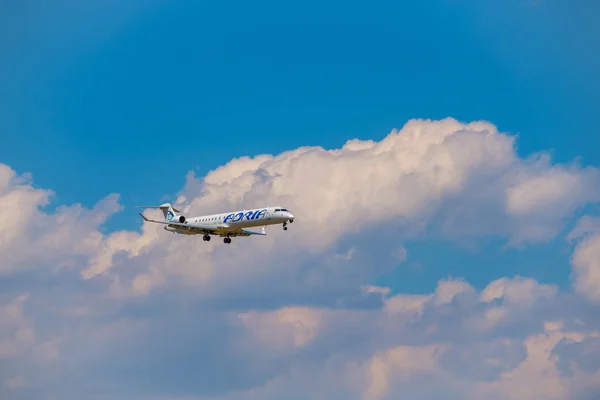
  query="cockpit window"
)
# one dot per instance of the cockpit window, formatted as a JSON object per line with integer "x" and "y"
{"x": 277, "y": 209}
{"x": 283, "y": 209}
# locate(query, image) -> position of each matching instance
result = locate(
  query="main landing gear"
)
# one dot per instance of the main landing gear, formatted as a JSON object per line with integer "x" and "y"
{"x": 206, "y": 238}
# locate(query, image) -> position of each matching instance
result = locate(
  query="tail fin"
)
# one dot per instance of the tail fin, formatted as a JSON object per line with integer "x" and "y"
{"x": 168, "y": 211}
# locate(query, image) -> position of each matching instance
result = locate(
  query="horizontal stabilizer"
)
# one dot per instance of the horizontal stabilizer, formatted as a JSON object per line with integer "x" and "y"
{"x": 143, "y": 216}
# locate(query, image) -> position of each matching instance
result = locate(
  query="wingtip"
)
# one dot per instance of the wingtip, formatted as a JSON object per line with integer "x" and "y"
{"x": 142, "y": 215}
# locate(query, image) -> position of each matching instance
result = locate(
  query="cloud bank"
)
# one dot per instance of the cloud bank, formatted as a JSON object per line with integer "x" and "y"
{"x": 297, "y": 314}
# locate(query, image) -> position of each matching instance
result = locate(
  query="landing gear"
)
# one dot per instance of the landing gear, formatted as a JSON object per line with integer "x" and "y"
{"x": 227, "y": 240}
{"x": 206, "y": 238}
{"x": 285, "y": 226}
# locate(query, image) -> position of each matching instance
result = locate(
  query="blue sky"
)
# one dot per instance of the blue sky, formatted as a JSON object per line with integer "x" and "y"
{"x": 105, "y": 91}
{"x": 129, "y": 96}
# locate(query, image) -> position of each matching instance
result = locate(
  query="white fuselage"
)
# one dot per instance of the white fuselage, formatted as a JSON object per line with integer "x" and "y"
{"x": 241, "y": 218}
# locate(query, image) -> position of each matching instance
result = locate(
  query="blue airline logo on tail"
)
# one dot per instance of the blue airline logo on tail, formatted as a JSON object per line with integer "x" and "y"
{"x": 248, "y": 216}
{"x": 170, "y": 215}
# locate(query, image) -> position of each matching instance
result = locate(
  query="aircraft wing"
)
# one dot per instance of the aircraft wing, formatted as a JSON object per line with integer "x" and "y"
{"x": 246, "y": 232}
{"x": 232, "y": 232}
{"x": 217, "y": 229}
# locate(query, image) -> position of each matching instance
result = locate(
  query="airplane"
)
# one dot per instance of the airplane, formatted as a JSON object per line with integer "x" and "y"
{"x": 225, "y": 225}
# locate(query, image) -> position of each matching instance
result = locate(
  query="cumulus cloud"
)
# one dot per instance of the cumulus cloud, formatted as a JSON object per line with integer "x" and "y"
{"x": 32, "y": 238}
{"x": 586, "y": 257}
{"x": 16, "y": 333}
{"x": 386, "y": 353}
{"x": 299, "y": 311}
{"x": 445, "y": 178}
{"x": 284, "y": 328}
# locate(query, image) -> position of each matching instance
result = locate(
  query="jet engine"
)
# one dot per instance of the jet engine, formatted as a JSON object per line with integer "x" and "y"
{"x": 181, "y": 219}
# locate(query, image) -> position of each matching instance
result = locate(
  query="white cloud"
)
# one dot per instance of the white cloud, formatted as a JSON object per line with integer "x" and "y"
{"x": 32, "y": 238}
{"x": 422, "y": 362}
{"x": 287, "y": 327}
{"x": 586, "y": 258}
{"x": 16, "y": 331}
{"x": 460, "y": 180}
{"x": 473, "y": 368}
{"x": 407, "y": 303}
{"x": 517, "y": 292}
{"x": 537, "y": 376}
{"x": 299, "y": 310}
{"x": 397, "y": 365}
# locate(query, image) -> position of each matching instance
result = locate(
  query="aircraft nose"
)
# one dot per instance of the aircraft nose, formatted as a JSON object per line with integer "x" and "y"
{"x": 291, "y": 217}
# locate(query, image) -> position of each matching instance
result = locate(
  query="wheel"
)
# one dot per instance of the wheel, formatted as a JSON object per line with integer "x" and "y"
{"x": 285, "y": 228}
{"x": 227, "y": 240}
